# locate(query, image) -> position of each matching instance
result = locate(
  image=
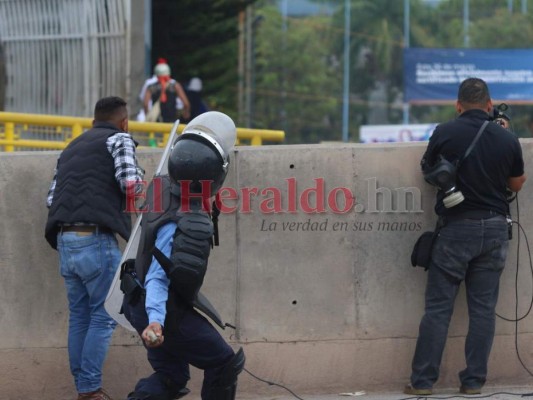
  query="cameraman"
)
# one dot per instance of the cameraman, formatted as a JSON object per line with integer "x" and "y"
{"x": 473, "y": 240}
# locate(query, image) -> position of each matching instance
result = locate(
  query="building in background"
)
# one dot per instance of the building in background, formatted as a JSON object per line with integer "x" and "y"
{"x": 63, "y": 55}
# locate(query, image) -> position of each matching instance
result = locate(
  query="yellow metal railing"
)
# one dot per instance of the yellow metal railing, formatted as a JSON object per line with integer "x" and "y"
{"x": 20, "y": 131}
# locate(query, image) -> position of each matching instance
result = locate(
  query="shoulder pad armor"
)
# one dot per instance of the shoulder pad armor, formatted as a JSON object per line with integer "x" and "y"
{"x": 197, "y": 225}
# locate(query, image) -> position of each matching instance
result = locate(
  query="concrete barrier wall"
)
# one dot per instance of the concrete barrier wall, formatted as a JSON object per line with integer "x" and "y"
{"x": 323, "y": 302}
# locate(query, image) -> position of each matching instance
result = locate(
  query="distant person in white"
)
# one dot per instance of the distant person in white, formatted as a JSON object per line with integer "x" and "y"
{"x": 150, "y": 81}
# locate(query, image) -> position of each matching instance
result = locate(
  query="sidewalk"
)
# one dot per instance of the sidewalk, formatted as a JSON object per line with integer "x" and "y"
{"x": 495, "y": 392}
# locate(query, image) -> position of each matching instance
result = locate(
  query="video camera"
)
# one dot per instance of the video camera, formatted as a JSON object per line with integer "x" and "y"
{"x": 498, "y": 114}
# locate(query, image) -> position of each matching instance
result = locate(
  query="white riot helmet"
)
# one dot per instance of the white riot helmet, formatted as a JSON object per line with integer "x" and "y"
{"x": 202, "y": 151}
{"x": 162, "y": 69}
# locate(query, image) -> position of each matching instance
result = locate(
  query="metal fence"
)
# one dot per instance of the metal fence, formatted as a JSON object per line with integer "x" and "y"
{"x": 63, "y": 55}
{"x": 51, "y": 132}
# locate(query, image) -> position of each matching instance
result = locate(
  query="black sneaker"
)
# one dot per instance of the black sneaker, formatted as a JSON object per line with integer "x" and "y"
{"x": 409, "y": 389}
{"x": 470, "y": 391}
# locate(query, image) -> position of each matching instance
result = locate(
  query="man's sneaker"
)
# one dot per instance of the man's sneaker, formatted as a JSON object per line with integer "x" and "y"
{"x": 467, "y": 390}
{"x": 409, "y": 389}
{"x": 99, "y": 394}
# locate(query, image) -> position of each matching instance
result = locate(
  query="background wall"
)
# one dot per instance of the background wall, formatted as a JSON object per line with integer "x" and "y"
{"x": 323, "y": 302}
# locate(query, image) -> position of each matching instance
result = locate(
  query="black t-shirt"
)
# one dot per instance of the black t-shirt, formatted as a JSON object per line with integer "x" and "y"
{"x": 482, "y": 177}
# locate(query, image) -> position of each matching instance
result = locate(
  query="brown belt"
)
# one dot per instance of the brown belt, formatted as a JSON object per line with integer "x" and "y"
{"x": 84, "y": 228}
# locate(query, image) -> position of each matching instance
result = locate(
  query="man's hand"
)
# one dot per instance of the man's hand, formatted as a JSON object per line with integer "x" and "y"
{"x": 515, "y": 183}
{"x": 153, "y": 335}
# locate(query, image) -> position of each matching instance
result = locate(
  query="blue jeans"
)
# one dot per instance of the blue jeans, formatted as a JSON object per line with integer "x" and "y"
{"x": 88, "y": 262}
{"x": 473, "y": 251}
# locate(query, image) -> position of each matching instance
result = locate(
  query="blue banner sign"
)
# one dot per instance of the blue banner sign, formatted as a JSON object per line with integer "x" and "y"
{"x": 434, "y": 75}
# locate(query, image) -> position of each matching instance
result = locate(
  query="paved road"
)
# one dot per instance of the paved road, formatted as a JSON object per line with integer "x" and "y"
{"x": 496, "y": 393}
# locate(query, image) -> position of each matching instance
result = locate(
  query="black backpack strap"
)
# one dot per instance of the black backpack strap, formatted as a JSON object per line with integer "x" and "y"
{"x": 471, "y": 147}
{"x": 163, "y": 260}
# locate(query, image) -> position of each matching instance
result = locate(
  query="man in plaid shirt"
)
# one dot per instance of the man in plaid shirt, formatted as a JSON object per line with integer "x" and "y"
{"x": 87, "y": 207}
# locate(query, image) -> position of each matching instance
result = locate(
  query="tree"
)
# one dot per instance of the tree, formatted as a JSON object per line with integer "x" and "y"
{"x": 296, "y": 77}
{"x": 298, "y": 63}
{"x": 376, "y": 47}
{"x": 199, "y": 38}
{"x": 491, "y": 25}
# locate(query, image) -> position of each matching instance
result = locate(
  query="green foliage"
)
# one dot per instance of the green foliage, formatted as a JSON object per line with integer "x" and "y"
{"x": 500, "y": 32}
{"x": 296, "y": 77}
{"x": 298, "y": 63}
{"x": 199, "y": 38}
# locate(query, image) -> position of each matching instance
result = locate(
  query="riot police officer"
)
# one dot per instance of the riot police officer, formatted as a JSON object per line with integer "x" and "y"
{"x": 170, "y": 266}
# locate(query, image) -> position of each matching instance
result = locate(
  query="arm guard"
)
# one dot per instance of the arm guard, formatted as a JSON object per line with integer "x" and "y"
{"x": 190, "y": 252}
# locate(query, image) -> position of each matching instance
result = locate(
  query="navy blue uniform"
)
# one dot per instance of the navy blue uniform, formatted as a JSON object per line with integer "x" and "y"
{"x": 189, "y": 339}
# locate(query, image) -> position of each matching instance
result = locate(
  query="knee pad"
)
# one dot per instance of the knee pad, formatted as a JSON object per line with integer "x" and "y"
{"x": 225, "y": 387}
{"x": 232, "y": 369}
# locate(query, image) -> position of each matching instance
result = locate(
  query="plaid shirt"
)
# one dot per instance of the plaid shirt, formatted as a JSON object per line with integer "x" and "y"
{"x": 122, "y": 147}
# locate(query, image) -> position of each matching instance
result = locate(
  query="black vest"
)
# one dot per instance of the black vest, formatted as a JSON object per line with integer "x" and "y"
{"x": 168, "y": 108}
{"x": 161, "y": 207}
{"x": 86, "y": 189}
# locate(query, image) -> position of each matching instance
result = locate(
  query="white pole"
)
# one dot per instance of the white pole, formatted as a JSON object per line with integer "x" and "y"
{"x": 240, "y": 69}
{"x": 284, "y": 13}
{"x": 248, "y": 68}
{"x": 346, "y": 84}
{"x": 148, "y": 37}
{"x": 406, "y": 33}
{"x": 128, "y": 49}
{"x": 466, "y": 18}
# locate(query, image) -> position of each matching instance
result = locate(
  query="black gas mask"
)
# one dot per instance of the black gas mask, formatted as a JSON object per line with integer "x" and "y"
{"x": 443, "y": 175}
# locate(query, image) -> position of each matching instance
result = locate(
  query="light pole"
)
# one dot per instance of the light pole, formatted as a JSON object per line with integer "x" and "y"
{"x": 255, "y": 24}
{"x": 240, "y": 69}
{"x": 346, "y": 83}
{"x": 148, "y": 37}
{"x": 406, "y": 41}
{"x": 251, "y": 24}
{"x": 248, "y": 69}
{"x": 284, "y": 12}
{"x": 466, "y": 22}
